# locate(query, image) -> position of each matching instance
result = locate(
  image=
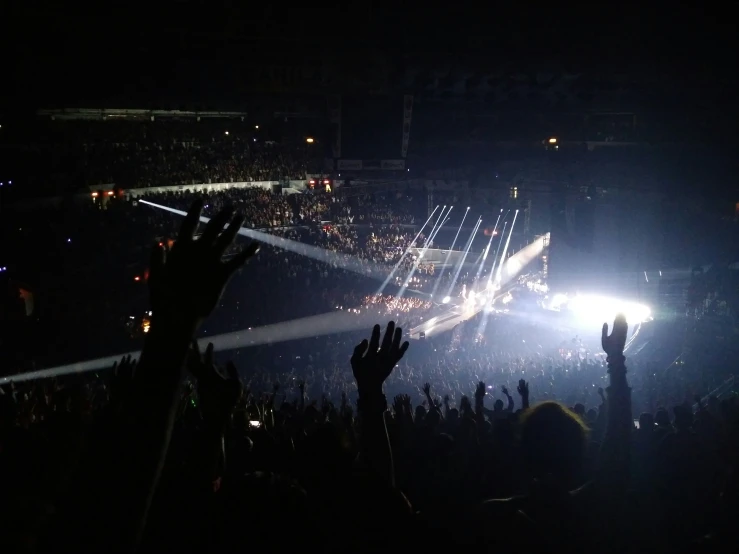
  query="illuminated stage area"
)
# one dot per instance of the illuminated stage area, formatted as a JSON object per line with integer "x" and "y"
{"x": 483, "y": 294}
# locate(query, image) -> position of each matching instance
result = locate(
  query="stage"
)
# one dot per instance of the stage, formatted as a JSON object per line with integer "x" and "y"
{"x": 459, "y": 309}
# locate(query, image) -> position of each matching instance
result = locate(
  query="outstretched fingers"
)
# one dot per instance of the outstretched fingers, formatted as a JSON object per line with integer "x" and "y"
{"x": 187, "y": 231}
{"x": 229, "y": 234}
{"x": 215, "y": 226}
{"x": 359, "y": 350}
{"x": 387, "y": 340}
{"x": 374, "y": 343}
{"x": 397, "y": 337}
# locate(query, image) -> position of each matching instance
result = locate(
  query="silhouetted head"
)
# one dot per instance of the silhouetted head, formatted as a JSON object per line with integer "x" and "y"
{"x": 646, "y": 422}
{"x": 498, "y": 406}
{"x": 662, "y": 418}
{"x": 683, "y": 418}
{"x": 553, "y": 440}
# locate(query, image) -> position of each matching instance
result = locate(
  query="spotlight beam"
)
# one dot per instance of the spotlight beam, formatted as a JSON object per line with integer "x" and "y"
{"x": 352, "y": 263}
{"x": 407, "y": 251}
{"x": 422, "y": 254}
{"x": 464, "y": 257}
{"x": 484, "y": 254}
{"x": 505, "y": 249}
{"x": 497, "y": 251}
{"x": 304, "y": 327}
{"x": 449, "y": 254}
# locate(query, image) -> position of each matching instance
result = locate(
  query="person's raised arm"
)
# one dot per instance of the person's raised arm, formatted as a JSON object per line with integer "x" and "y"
{"x": 185, "y": 283}
{"x": 613, "y": 466}
{"x": 433, "y": 406}
{"x": 511, "y": 404}
{"x": 523, "y": 391}
{"x": 480, "y": 402}
{"x": 371, "y": 365}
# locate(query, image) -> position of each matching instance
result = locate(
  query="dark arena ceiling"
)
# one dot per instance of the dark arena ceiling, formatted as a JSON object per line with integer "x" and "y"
{"x": 182, "y": 55}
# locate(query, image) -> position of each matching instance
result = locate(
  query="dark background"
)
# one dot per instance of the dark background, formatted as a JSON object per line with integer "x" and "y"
{"x": 216, "y": 53}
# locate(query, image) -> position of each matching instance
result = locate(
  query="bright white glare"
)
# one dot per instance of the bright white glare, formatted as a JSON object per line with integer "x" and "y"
{"x": 558, "y": 300}
{"x": 446, "y": 300}
{"x": 596, "y": 309}
{"x": 349, "y": 263}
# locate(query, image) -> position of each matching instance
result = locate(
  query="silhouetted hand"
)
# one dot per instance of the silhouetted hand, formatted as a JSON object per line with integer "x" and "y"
{"x": 398, "y": 404}
{"x": 523, "y": 388}
{"x": 188, "y": 280}
{"x": 465, "y": 406}
{"x": 372, "y": 363}
{"x": 480, "y": 391}
{"x": 504, "y": 390}
{"x": 218, "y": 394}
{"x": 121, "y": 385}
{"x": 407, "y": 403}
{"x": 613, "y": 344}
{"x": 427, "y": 389}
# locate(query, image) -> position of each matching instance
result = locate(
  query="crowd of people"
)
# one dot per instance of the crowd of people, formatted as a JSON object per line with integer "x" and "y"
{"x": 131, "y": 153}
{"x": 486, "y": 439}
{"x": 492, "y": 435}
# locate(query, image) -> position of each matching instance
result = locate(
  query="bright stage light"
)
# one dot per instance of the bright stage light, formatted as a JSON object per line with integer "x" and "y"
{"x": 446, "y": 300}
{"x": 598, "y": 309}
{"x": 558, "y": 300}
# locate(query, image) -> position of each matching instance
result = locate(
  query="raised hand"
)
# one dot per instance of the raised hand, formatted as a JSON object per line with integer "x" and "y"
{"x": 427, "y": 389}
{"x": 188, "y": 280}
{"x": 504, "y": 390}
{"x": 465, "y": 406}
{"x": 372, "y": 363}
{"x": 398, "y": 404}
{"x": 480, "y": 391}
{"x": 613, "y": 344}
{"x": 218, "y": 394}
{"x": 121, "y": 386}
{"x": 407, "y": 403}
{"x": 523, "y": 388}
